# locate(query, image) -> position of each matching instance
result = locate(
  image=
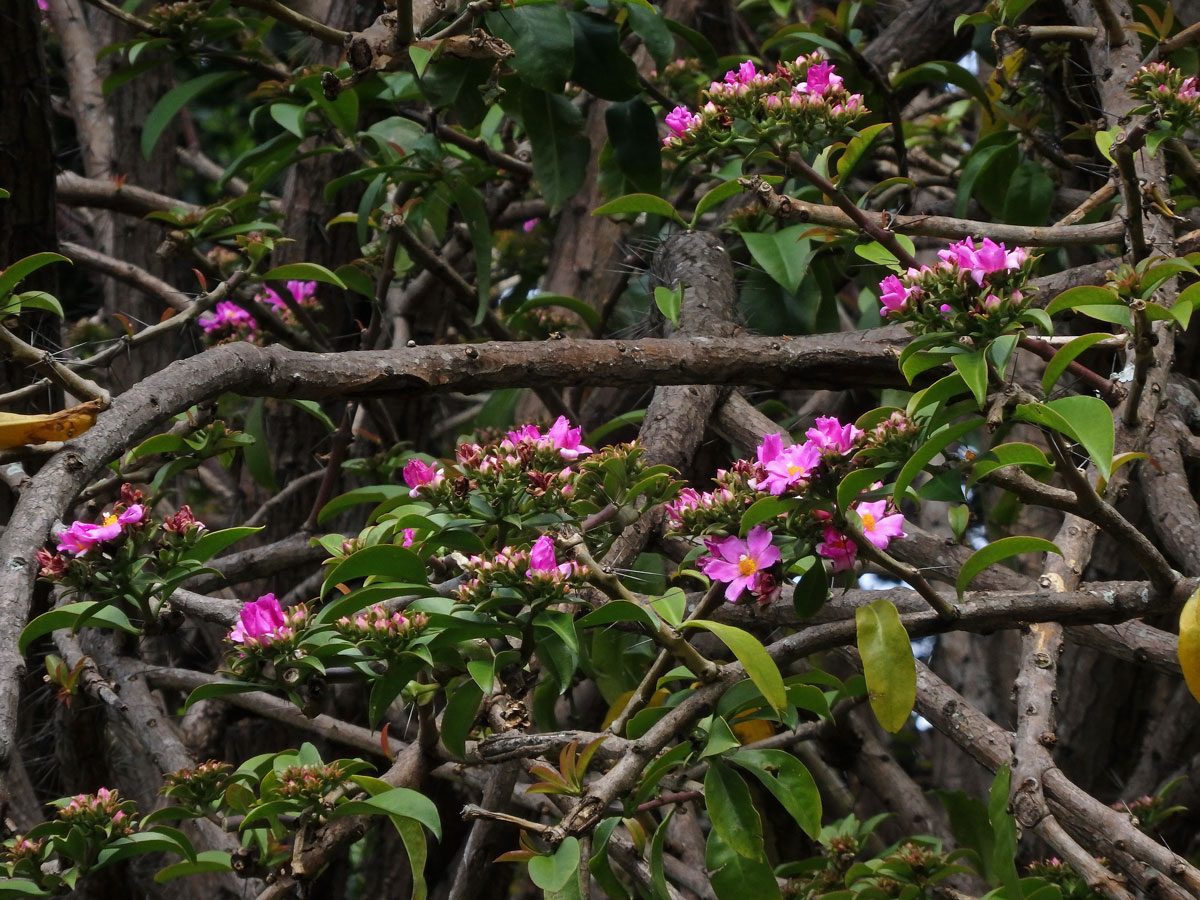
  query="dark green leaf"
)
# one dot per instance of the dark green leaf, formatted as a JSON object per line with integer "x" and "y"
{"x": 459, "y": 717}
{"x": 926, "y": 452}
{"x": 470, "y": 204}
{"x": 381, "y": 560}
{"x": 601, "y": 67}
{"x": 396, "y": 802}
{"x": 731, "y": 809}
{"x": 174, "y": 100}
{"x": 213, "y": 542}
{"x": 588, "y": 314}
{"x": 788, "y": 781}
{"x": 638, "y": 203}
{"x": 618, "y": 611}
{"x": 542, "y": 38}
{"x": 633, "y": 131}
{"x": 997, "y": 551}
{"x": 67, "y": 617}
{"x": 560, "y": 152}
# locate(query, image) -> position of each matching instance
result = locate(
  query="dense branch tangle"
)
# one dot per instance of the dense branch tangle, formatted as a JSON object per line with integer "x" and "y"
{"x": 449, "y": 128}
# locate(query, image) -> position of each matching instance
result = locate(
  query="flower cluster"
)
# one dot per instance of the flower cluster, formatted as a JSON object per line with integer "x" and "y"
{"x": 263, "y": 622}
{"x": 806, "y": 476}
{"x": 23, "y": 856}
{"x": 527, "y": 468}
{"x": 197, "y": 787}
{"x": 381, "y": 630}
{"x": 309, "y": 784}
{"x": 971, "y": 289}
{"x": 796, "y": 103}
{"x": 1166, "y": 87}
{"x": 103, "y": 811}
{"x": 229, "y": 322}
{"x": 519, "y": 573}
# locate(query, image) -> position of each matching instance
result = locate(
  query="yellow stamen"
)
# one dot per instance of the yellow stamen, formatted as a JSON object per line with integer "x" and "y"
{"x": 110, "y": 519}
{"x": 868, "y": 521}
{"x": 793, "y": 469}
{"x": 747, "y": 565}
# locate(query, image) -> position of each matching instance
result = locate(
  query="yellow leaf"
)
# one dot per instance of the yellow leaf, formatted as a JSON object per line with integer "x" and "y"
{"x": 1189, "y": 643}
{"x": 750, "y": 730}
{"x": 657, "y": 699}
{"x": 17, "y": 430}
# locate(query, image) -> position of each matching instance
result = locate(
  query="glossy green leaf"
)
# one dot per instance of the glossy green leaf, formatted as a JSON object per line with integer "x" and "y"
{"x": 877, "y": 253}
{"x": 854, "y": 484}
{"x": 783, "y": 254}
{"x": 974, "y": 370}
{"x": 731, "y": 809}
{"x": 384, "y": 560}
{"x": 638, "y": 203}
{"x": 888, "y": 664}
{"x": 220, "y": 688}
{"x": 753, "y": 656}
{"x": 211, "y": 543}
{"x": 857, "y": 149}
{"x": 560, "y": 152}
{"x": 303, "y": 272}
{"x": 1080, "y": 297}
{"x": 417, "y": 849}
{"x": 1002, "y": 549}
{"x": 27, "y": 300}
{"x": 601, "y": 67}
{"x": 1066, "y": 355}
{"x": 764, "y": 510}
{"x": 558, "y": 875}
{"x": 618, "y": 611}
{"x": 542, "y": 39}
{"x": 395, "y": 802}
{"x": 176, "y": 99}
{"x": 67, "y": 616}
{"x": 811, "y": 591}
{"x": 205, "y": 861}
{"x": 943, "y": 72}
{"x": 925, "y": 454}
{"x": 736, "y": 877}
{"x": 669, "y": 302}
{"x": 715, "y": 197}
{"x": 1185, "y": 303}
{"x": 945, "y": 388}
{"x": 459, "y": 717}
{"x": 1003, "y": 455}
{"x": 24, "y": 267}
{"x": 633, "y": 132}
{"x": 1087, "y": 420}
{"x": 788, "y": 781}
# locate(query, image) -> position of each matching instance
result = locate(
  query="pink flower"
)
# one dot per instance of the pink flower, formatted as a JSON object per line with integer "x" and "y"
{"x": 565, "y": 439}
{"x": 680, "y": 120}
{"x": 182, "y": 521}
{"x": 410, "y": 535}
{"x": 988, "y": 257}
{"x": 80, "y": 537}
{"x": 526, "y": 432}
{"x": 305, "y": 292}
{"x": 133, "y": 515}
{"x": 260, "y": 620}
{"x": 227, "y": 315}
{"x": 744, "y": 74}
{"x": 894, "y": 295}
{"x": 1188, "y": 90}
{"x": 879, "y": 528}
{"x": 839, "y": 548}
{"x": 830, "y": 434}
{"x": 689, "y": 498}
{"x": 543, "y": 563}
{"x": 418, "y": 473}
{"x": 529, "y": 224}
{"x": 43, "y": 5}
{"x": 739, "y": 561}
{"x": 786, "y": 466}
{"x": 819, "y": 79}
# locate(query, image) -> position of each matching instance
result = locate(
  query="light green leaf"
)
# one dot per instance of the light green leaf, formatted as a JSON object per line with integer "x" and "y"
{"x": 669, "y": 302}
{"x": 1087, "y": 420}
{"x": 1082, "y": 296}
{"x": 618, "y": 611}
{"x": 717, "y": 195}
{"x": 67, "y": 616}
{"x": 23, "y": 268}
{"x": 888, "y": 664}
{"x": 926, "y": 452}
{"x": 558, "y": 875}
{"x": 384, "y": 560}
{"x": 211, "y": 543}
{"x": 1067, "y": 355}
{"x": 753, "y": 656}
{"x": 1002, "y": 455}
{"x": 205, "y": 861}
{"x": 974, "y": 370}
{"x": 638, "y": 203}
{"x": 303, "y": 272}
{"x": 996, "y": 551}
{"x": 588, "y": 314}
{"x": 396, "y": 802}
{"x": 783, "y": 254}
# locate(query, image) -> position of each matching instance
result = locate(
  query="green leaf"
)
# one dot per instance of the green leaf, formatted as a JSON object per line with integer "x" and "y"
{"x": 854, "y": 484}
{"x": 716, "y": 196}
{"x": 857, "y": 148}
{"x": 176, "y": 99}
{"x": 763, "y": 510}
{"x": 731, "y": 809}
{"x": 618, "y": 611}
{"x": 888, "y": 664}
{"x": 220, "y": 688}
{"x": 303, "y": 272}
{"x": 290, "y": 116}
{"x": 383, "y": 560}
{"x": 588, "y": 314}
{"x": 470, "y": 204}
{"x": 558, "y": 875}
{"x": 542, "y": 38}
{"x": 633, "y": 131}
{"x": 996, "y": 551}
{"x": 669, "y": 302}
{"x": 638, "y": 203}
{"x": 459, "y": 717}
{"x": 974, "y": 369}
{"x": 721, "y": 738}
{"x": 880, "y": 255}
{"x": 783, "y": 254}
{"x": 205, "y": 861}
{"x": 646, "y": 22}
{"x": 789, "y": 781}
{"x": 943, "y": 72}
{"x": 1080, "y": 297}
{"x": 671, "y": 606}
{"x": 735, "y": 877}
{"x": 924, "y": 455}
{"x": 945, "y": 388}
{"x": 601, "y": 67}
{"x": 658, "y": 875}
{"x": 39, "y": 300}
{"x": 1028, "y": 195}
{"x": 258, "y": 455}
{"x": 753, "y": 656}
{"x": 23, "y": 268}
{"x": 1004, "y": 832}
{"x": 811, "y": 591}
{"x": 560, "y": 152}
{"x": 213, "y": 542}
{"x": 417, "y": 849}
{"x": 1002, "y": 455}
{"x": 1067, "y": 355}
{"x": 67, "y": 616}
{"x": 350, "y": 499}
{"x": 1087, "y": 420}
{"x": 396, "y": 802}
